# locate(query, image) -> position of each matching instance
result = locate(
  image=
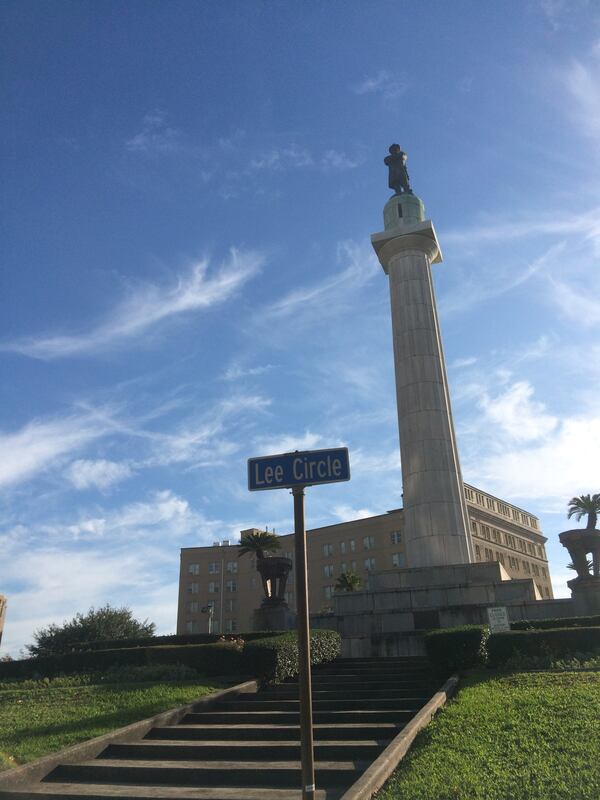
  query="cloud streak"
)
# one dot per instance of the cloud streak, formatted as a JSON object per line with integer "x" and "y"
{"x": 147, "y": 307}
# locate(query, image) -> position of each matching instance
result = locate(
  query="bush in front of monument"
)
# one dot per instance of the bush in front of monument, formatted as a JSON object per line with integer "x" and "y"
{"x": 455, "y": 649}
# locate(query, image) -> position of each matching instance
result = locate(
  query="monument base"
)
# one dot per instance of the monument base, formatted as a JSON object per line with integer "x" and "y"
{"x": 586, "y": 595}
{"x": 273, "y": 618}
{"x": 389, "y": 617}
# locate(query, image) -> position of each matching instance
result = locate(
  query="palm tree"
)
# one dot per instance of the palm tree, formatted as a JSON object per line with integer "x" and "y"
{"x": 585, "y": 504}
{"x": 259, "y": 543}
{"x": 348, "y": 582}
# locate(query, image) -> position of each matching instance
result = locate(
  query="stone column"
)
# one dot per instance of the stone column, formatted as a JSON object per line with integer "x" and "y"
{"x": 435, "y": 513}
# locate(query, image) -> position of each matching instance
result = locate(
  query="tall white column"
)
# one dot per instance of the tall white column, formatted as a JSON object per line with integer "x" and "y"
{"x": 435, "y": 513}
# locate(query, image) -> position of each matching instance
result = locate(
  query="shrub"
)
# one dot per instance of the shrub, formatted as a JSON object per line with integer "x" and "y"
{"x": 221, "y": 658}
{"x": 567, "y": 622}
{"x": 556, "y": 643}
{"x": 454, "y": 649}
{"x": 171, "y": 639}
{"x": 275, "y": 658}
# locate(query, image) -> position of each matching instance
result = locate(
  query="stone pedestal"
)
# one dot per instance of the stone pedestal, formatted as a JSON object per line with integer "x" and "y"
{"x": 435, "y": 512}
{"x": 581, "y": 544}
{"x": 273, "y": 618}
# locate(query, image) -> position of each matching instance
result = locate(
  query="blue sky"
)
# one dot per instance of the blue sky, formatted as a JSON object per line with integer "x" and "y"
{"x": 187, "y": 280}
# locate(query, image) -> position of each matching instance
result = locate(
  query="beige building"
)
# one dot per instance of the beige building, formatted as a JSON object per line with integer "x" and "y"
{"x": 215, "y": 576}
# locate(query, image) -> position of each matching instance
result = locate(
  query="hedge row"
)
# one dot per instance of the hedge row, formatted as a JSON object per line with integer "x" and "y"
{"x": 558, "y": 642}
{"x": 274, "y": 659}
{"x": 171, "y": 639}
{"x": 222, "y": 658}
{"x": 567, "y": 622}
{"x": 455, "y": 649}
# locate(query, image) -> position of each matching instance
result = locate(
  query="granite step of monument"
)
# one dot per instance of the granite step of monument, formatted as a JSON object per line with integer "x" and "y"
{"x": 231, "y": 750}
{"x": 382, "y": 732}
{"x": 292, "y": 718}
{"x": 358, "y": 704}
{"x": 348, "y": 694}
{"x": 284, "y": 774}
{"x": 95, "y": 791}
{"x": 387, "y": 683}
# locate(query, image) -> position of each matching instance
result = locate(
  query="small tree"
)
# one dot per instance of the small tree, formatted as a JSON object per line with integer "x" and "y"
{"x": 348, "y": 582}
{"x": 585, "y": 504}
{"x": 97, "y": 625}
{"x": 259, "y": 543}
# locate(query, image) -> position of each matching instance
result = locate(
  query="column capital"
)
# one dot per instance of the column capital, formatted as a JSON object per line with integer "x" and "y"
{"x": 419, "y": 236}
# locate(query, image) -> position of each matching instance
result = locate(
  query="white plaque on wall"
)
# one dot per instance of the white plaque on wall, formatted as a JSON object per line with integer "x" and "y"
{"x": 498, "y": 619}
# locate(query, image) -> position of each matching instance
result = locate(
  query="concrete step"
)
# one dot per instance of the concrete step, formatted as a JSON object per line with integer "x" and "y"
{"x": 323, "y": 695}
{"x": 292, "y": 718}
{"x": 84, "y": 791}
{"x": 231, "y": 750}
{"x": 381, "y": 732}
{"x": 358, "y": 704}
{"x": 284, "y": 774}
{"x": 376, "y": 661}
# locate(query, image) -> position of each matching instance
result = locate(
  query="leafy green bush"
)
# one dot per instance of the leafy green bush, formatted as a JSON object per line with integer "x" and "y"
{"x": 454, "y": 649}
{"x": 276, "y": 658}
{"x": 171, "y": 639}
{"x": 222, "y": 658}
{"x": 555, "y": 642}
{"x": 567, "y": 622}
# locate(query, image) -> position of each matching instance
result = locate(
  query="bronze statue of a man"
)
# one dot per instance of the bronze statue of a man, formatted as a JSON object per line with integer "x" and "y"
{"x": 396, "y": 163}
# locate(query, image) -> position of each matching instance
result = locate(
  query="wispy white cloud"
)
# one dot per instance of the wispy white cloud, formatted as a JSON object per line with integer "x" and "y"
{"x": 296, "y": 157}
{"x": 98, "y": 473}
{"x": 41, "y": 443}
{"x": 576, "y": 302}
{"x": 461, "y": 363}
{"x": 386, "y": 84}
{"x": 235, "y": 371}
{"x": 148, "y": 306}
{"x": 581, "y": 79}
{"x": 346, "y": 513}
{"x": 288, "y": 442}
{"x": 156, "y": 137}
{"x": 361, "y": 267}
{"x": 517, "y": 414}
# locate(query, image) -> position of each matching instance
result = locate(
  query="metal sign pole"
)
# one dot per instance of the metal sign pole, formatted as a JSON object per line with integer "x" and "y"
{"x": 304, "y": 683}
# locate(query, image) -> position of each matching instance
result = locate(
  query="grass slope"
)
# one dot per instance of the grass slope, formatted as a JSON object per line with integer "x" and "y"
{"x": 525, "y": 736}
{"x": 43, "y": 719}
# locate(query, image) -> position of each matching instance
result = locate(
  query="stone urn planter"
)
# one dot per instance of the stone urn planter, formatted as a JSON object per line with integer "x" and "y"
{"x": 274, "y": 573}
{"x": 585, "y": 588}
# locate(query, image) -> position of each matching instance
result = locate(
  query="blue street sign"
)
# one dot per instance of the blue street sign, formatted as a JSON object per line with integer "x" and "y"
{"x": 306, "y": 468}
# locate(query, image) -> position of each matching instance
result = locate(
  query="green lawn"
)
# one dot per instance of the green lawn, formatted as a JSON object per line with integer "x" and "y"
{"x": 525, "y": 736}
{"x": 42, "y": 719}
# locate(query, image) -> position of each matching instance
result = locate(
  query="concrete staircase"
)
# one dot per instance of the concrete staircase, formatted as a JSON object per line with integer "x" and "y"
{"x": 248, "y": 747}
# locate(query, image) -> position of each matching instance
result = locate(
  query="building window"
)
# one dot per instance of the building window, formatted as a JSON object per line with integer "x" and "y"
{"x": 230, "y": 625}
{"x": 188, "y": 626}
{"x": 473, "y": 527}
{"x": 398, "y": 559}
{"x": 486, "y": 532}
{"x": 344, "y": 567}
{"x": 343, "y": 548}
{"x": 328, "y": 570}
{"x": 194, "y": 569}
{"x": 353, "y": 566}
{"x": 214, "y": 567}
{"x": 369, "y": 564}
{"x": 544, "y": 573}
{"x": 496, "y": 535}
{"x": 489, "y": 555}
{"x": 396, "y": 537}
{"x": 369, "y": 542}
{"x": 500, "y": 557}
{"x": 327, "y": 549}
{"x": 231, "y": 586}
{"x": 192, "y": 606}
{"x": 477, "y": 552}
{"x": 526, "y": 567}
{"x": 193, "y": 588}
{"x": 511, "y": 541}
{"x": 329, "y": 590}
{"x": 232, "y": 566}
{"x": 213, "y": 587}
{"x": 230, "y": 605}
